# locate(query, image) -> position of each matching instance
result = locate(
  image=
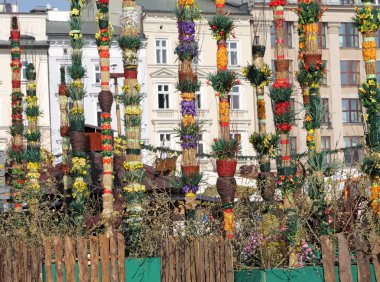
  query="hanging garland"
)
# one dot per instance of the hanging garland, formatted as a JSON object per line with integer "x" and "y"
{"x": 367, "y": 22}
{"x": 79, "y": 164}
{"x": 17, "y": 127}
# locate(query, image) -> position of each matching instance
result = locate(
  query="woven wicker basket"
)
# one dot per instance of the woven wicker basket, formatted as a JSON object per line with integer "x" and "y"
{"x": 226, "y": 187}
{"x": 226, "y": 168}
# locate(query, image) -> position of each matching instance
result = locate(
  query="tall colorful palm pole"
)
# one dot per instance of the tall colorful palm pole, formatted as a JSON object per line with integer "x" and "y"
{"x": 130, "y": 43}
{"x": 311, "y": 70}
{"x": 64, "y": 129}
{"x": 103, "y": 40}
{"x": 280, "y": 93}
{"x": 367, "y": 21}
{"x": 79, "y": 164}
{"x": 17, "y": 128}
{"x": 33, "y": 150}
{"x": 187, "y": 50}
{"x": 225, "y": 149}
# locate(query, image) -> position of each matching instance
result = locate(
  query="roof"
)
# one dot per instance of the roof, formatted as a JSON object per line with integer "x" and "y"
{"x": 63, "y": 28}
{"x": 207, "y": 6}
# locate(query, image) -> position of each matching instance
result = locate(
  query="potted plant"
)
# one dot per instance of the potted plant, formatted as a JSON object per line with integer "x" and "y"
{"x": 225, "y": 151}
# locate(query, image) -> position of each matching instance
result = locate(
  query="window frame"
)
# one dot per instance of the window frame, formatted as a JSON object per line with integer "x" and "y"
{"x": 97, "y": 74}
{"x": 352, "y": 154}
{"x": 358, "y": 111}
{"x": 229, "y": 51}
{"x": 233, "y": 95}
{"x": 346, "y": 32}
{"x": 165, "y": 135}
{"x": 324, "y": 141}
{"x": 326, "y": 110}
{"x": 160, "y": 49}
{"x": 347, "y": 73}
{"x": 166, "y": 94}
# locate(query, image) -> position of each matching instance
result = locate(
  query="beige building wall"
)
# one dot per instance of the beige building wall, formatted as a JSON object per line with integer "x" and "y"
{"x": 30, "y": 25}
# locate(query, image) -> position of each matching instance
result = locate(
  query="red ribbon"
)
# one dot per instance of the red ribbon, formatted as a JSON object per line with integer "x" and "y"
{"x": 281, "y": 40}
{"x": 281, "y": 57}
{"x": 105, "y": 191}
{"x": 228, "y": 211}
{"x": 220, "y": 5}
{"x": 18, "y": 205}
{"x": 279, "y": 12}
{"x": 105, "y": 68}
{"x": 130, "y": 74}
{"x": 107, "y": 172}
{"x": 105, "y": 83}
{"x": 284, "y": 141}
{"x": 224, "y": 124}
{"x": 285, "y": 158}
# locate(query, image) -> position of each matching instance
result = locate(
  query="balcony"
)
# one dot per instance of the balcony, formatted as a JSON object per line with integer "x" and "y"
{"x": 238, "y": 115}
{"x": 165, "y": 115}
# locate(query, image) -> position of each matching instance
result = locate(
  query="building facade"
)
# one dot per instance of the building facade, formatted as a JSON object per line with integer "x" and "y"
{"x": 59, "y": 55}
{"x": 34, "y": 47}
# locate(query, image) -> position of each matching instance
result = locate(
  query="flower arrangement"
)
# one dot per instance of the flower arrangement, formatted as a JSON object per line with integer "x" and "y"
{"x": 265, "y": 144}
{"x": 223, "y": 81}
{"x": 366, "y": 19}
{"x": 281, "y": 91}
{"x": 225, "y": 149}
{"x": 188, "y": 183}
{"x": 311, "y": 74}
{"x": 369, "y": 94}
{"x": 221, "y": 27}
{"x": 188, "y": 86}
{"x": 308, "y": 13}
{"x": 260, "y": 77}
{"x": 276, "y": 3}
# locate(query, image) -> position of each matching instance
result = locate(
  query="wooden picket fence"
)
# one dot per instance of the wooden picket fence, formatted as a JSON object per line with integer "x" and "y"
{"x": 104, "y": 257}
{"x": 196, "y": 259}
{"x": 96, "y": 259}
{"x": 20, "y": 262}
{"x": 364, "y": 252}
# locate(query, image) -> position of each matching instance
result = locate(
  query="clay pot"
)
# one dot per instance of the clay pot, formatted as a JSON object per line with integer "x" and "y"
{"x": 130, "y": 74}
{"x": 105, "y": 101}
{"x": 15, "y": 34}
{"x": 190, "y": 169}
{"x": 77, "y": 141}
{"x": 65, "y": 131}
{"x": 16, "y": 84}
{"x": 62, "y": 90}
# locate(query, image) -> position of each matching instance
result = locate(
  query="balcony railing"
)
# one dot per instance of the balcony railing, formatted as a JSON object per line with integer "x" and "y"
{"x": 165, "y": 114}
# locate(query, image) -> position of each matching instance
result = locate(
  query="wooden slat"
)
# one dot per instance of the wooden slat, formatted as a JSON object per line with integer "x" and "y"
{"x": 70, "y": 259}
{"x": 113, "y": 253}
{"x": 229, "y": 261}
{"x": 15, "y": 266}
{"x": 163, "y": 259}
{"x": 217, "y": 259}
{"x": 375, "y": 250}
{"x": 24, "y": 259}
{"x": 187, "y": 261}
{"x": 82, "y": 251}
{"x": 37, "y": 263}
{"x": 171, "y": 271}
{"x": 9, "y": 264}
{"x": 328, "y": 255}
{"x": 104, "y": 253}
{"x": 121, "y": 256}
{"x": 212, "y": 260}
{"x": 57, "y": 244}
{"x": 48, "y": 270}
{"x": 206, "y": 259}
{"x": 192, "y": 260}
{"x": 344, "y": 259}
{"x": 29, "y": 264}
{"x": 363, "y": 258}
{"x": 223, "y": 275}
{"x": 94, "y": 257}
{"x": 200, "y": 260}
{"x": 177, "y": 259}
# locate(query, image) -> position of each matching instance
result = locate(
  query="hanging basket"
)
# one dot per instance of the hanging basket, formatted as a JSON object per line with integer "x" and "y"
{"x": 312, "y": 58}
{"x": 190, "y": 169}
{"x": 15, "y": 34}
{"x": 281, "y": 65}
{"x": 226, "y": 187}
{"x": 226, "y": 168}
{"x": 105, "y": 101}
{"x": 258, "y": 50}
{"x": 267, "y": 184}
{"x": 77, "y": 141}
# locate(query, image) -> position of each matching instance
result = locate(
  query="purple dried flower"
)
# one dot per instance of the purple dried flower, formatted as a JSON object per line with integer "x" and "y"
{"x": 188, "y": 108}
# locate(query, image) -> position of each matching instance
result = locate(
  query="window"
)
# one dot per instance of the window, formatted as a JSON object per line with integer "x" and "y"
{"x": 324, "y": 79}
{"x": 234, "y": 98}
{"x": 352, "y": 112}
{"x": 200, "y": 144}
{"x": 293, "y": 145}
{"x": 326, "y": 147}
{"x": 199, "y": 100}
{"x": 97, "y": 74}
{"x": 23, "y": 72}
{"x": 290, "y": 71}
{"x": 349, "y": 73}
{"x": 161, "y": 51}
{"x": 163, "y": 96}
{"x": 326, "y": 111}
{"x": 232, "y": 53}
{"x": 99, "y": 115}
{"x": 347, "y": 2}
{"x": 322, "y": 31}
{"x": 348, "y": 36}
{"x": 165, "y": 140}
{"x": 351, "y": 155}
{"x": 68, "y": 77}
{"x": 288, "y": 26}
